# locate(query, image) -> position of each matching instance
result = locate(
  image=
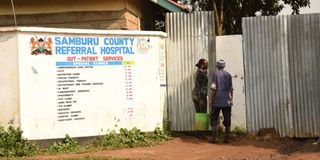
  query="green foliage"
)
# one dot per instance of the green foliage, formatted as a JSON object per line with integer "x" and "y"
{"x": 12, "y": 144}
{"x": 134, "y": 137}
{"x": 229, "y": 13}
{"x": 159, "y": 135}
{"x": 68, "y": 144}
{"x": 111, "y": 139}
{"x": 239, "y": 132}
{"x": 126, "y": 138}
{"x": 297, "y": 4}
{"x": 234, "y": 11}
{"x": 129, "y": 138}
{"x": 167, "y": 129}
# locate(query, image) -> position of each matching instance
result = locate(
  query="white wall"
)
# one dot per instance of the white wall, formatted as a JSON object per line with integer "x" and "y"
{"x": 229, "y": 48}
{"x": 69, "y": 94}
{"x": 9, "y": 93}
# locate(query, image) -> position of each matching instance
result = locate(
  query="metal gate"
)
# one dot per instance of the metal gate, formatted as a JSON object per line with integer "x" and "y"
{"x": 282, "y": 76}
{"x": 190, "y": 37}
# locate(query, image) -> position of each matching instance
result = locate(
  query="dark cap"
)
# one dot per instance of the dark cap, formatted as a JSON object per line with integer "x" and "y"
{"x": 200, "y": 62}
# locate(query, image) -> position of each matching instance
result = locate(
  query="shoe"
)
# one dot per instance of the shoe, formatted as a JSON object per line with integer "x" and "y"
{"x": 214, "y": 134}
{"x": 227, "y": 131}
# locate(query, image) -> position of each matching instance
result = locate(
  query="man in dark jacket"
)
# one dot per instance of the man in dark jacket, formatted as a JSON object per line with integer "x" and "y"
{"x": 199, "y": 93}
{"x": 222, "y": 95}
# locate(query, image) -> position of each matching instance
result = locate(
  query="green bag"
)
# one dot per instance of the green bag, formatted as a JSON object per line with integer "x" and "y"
{"x": 202, "y": 121}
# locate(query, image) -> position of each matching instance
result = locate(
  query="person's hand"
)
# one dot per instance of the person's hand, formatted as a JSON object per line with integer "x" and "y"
{"x": 230, "y": 96}
{"x": 230, "y": 101}
{"x": 211, "y": 97}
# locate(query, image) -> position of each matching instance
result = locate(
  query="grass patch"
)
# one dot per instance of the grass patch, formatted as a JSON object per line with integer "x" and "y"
{"x": 12, "y": 144}
{"x": 239, "y": 132}
{"x": 68, "y": 144}
{"x": 167, "y": 129}
{"x": 130, "y": 138}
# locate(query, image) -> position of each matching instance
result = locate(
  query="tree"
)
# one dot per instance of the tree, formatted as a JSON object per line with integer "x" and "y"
{"x": 228, "y": 13}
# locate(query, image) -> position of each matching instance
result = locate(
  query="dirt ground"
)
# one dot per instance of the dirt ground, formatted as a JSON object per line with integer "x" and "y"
{"x": 191, "y": 148}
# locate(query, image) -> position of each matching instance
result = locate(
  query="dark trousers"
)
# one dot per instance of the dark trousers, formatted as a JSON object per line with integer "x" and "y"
{"x": 215, "y": 111}
{"x": 201, "y": 108}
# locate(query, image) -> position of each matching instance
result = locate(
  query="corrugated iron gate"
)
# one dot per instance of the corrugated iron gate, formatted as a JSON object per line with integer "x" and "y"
{"x": 190, "y": 37}
{"x": 282, "y": 76}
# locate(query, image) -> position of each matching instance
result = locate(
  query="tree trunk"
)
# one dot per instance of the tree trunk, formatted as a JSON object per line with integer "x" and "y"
{"x": 219, "y": 17}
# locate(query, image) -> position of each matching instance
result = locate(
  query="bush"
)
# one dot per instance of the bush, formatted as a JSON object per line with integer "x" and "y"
{"x": 12, "y": 144}
{"x": 167, "y": 129}
{"x": 126, "y": 138}
{"x": 239, "y": 132}
{"x": 159, "y": 135}
{"x": 68, "y": 144}
{"x": 129, "y": 138}
{"x": 133, "y": 138}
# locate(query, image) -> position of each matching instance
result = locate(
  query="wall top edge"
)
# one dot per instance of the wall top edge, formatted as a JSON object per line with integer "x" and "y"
{"x": 82, "y": 31}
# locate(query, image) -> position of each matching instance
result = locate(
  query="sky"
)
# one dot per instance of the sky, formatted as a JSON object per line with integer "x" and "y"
{"x": 314, "y": 8}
